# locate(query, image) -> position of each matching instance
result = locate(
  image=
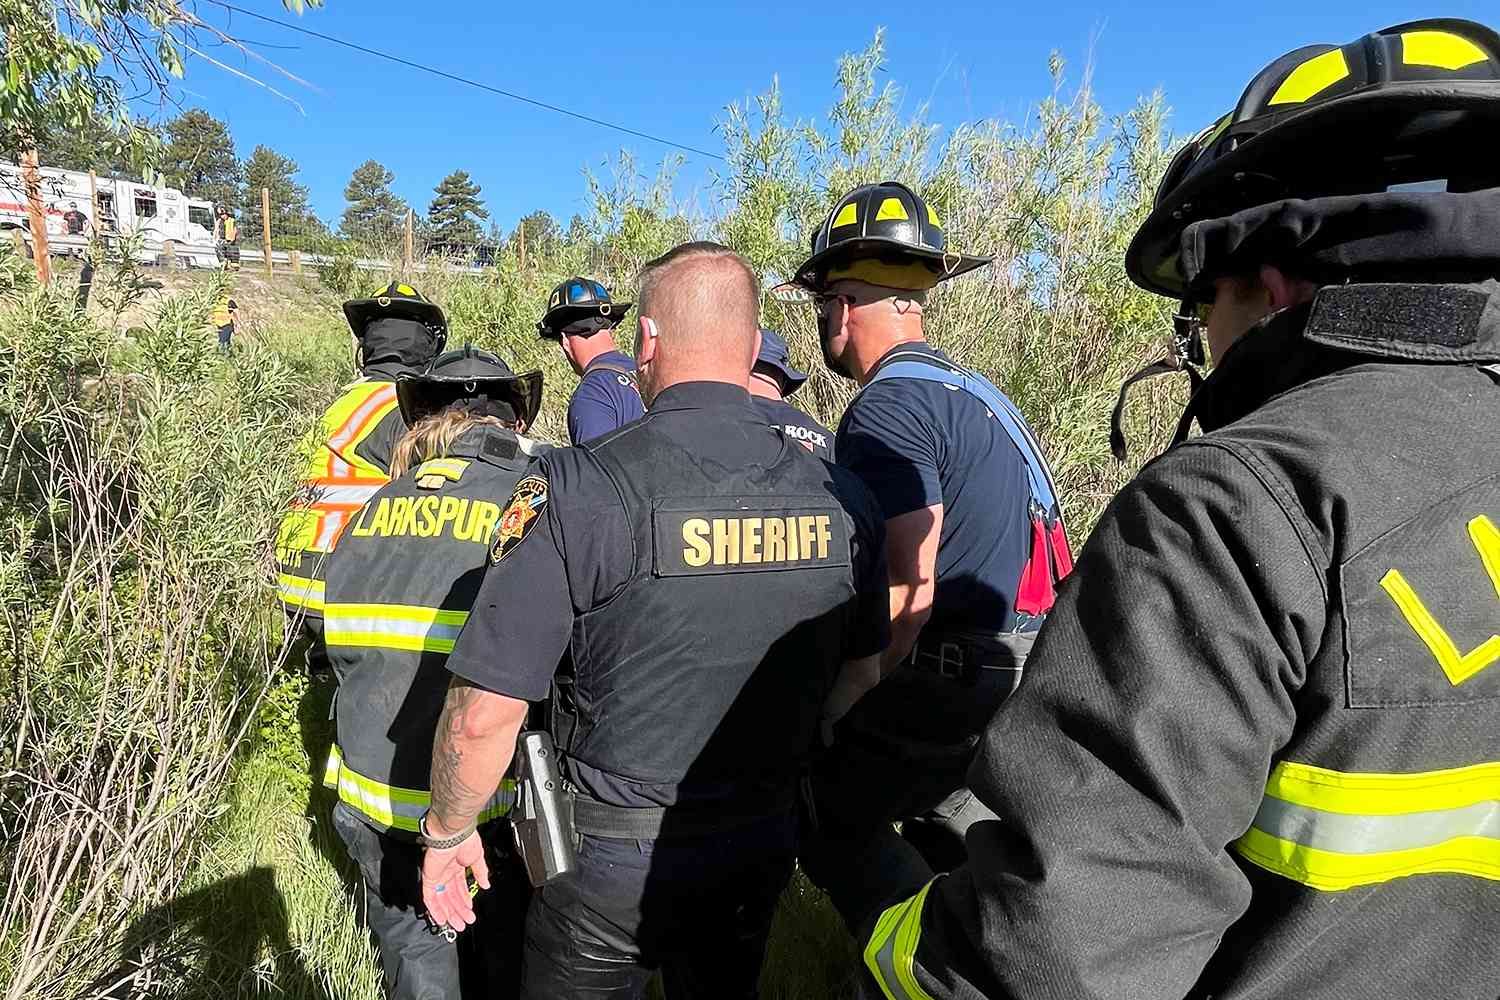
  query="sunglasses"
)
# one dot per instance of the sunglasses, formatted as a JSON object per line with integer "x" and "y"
{"x": 823, "y": 301}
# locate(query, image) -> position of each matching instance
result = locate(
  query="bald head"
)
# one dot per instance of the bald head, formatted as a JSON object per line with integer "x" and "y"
{"x": 699, "y": 308}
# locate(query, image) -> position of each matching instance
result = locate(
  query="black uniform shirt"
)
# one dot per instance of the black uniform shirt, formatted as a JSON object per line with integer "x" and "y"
{"x": 686, "y": 660}
{"x": 917, "y": 443}
{"x": 797, "y": 425}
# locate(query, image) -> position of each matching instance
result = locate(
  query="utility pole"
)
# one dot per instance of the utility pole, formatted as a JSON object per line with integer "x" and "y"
{"x": 265, "y": 226}
{"x": 32, "y": 180}
{"x": 406, "y": 256}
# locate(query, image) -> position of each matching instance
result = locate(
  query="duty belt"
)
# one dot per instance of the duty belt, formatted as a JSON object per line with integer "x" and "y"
{"x": 599, "y": 819}
{"x": 960, "y": 656}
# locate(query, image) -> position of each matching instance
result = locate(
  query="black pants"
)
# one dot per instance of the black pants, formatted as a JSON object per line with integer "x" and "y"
{"x": 698, "y": 908}
{"x": 418, "y": 962}
{"x": 902, "y": 755}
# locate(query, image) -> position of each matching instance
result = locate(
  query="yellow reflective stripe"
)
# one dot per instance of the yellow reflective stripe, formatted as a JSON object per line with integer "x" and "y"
{"x": 848, "y": 216}
{"x": 1377, "y": 794}
{"x": 1334, "y": 830}
{"x": 448, "y": 468}
{"x": 1312, "y": 78}
{"x": 300, "y": 591}
{"x": 892, "y": 949}
{"x": 395, "y": 807}
{"x": 1441, "y": 49}
{"x": 406, "y": 627}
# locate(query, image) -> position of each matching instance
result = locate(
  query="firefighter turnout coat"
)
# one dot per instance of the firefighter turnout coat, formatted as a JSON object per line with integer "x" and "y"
{"x": 346, "y": 459}
{"x": 1257, "y": 749}
{"x": 399, "y": 589}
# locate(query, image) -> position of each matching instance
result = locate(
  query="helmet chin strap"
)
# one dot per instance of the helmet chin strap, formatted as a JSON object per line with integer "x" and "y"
{"x": 1185, "y": 355}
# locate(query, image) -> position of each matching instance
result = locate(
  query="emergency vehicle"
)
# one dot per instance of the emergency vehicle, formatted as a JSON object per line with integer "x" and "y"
{"x": 164, "y": 216}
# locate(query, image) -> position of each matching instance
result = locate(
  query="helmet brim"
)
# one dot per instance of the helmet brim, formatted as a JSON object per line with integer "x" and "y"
{"x": 560, "y": 318}
{"x": 944, "y": 264}
{"x": 1318, "y": 152}
{"x": 423, "y": 395}
{"x": 361, "y": 312}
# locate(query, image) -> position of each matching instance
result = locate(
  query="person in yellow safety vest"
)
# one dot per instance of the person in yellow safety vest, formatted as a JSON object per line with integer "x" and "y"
{"x": 400, "y": 585}
{"x": 226, "y": 238}
{"x": 224, "y": 317}
{"x": 1256, "y": 752}
{"x": 348, "y": 456}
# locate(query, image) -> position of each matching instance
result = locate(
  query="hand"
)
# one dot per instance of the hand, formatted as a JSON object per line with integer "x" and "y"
{"x": 445, "y": 887}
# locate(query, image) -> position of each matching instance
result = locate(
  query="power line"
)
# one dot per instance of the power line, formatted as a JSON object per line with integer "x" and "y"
{"x": 467, "y": 82}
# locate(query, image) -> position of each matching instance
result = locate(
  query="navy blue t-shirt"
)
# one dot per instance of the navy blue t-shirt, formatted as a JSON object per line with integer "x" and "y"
{"x": 605, "y": 400}
{"x": 917, "y": 443}
{"x": 797, "y": 425}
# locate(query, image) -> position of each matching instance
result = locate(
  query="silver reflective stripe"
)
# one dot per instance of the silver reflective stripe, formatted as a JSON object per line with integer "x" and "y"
{"x": 343, "y": 495}
{"x": 891, "y": 952}
{"x": 1347, "y": 833}
{"x": 374, "y": 625}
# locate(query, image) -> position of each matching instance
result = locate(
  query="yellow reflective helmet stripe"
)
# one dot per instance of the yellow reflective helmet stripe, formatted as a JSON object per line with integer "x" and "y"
{"x": 1312, "y": 78}
{"x": 393, "y": 806}
{"x": 848, "y": 216}
{"x": 404, "y": 627}
{"x": 1333, "y": 830}
{"x": 892, "y": 949}
{"x": 891, "y": 208}
{"x": 1441, "y": 49}
{"x": 932, "y": 217}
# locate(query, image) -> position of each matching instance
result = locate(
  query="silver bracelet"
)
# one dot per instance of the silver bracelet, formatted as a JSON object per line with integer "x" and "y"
{"x": 441, "y": 843}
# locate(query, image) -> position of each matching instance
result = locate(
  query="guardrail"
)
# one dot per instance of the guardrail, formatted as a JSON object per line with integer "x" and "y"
{"x": 283, "y": 258}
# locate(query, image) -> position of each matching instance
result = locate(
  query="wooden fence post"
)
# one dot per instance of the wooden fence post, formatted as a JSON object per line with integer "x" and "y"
{"x": 32, "y": 181}
{"x": 265, "y": 226}
{"x": 94, "y": 203}
{"x": 296, "y": 257}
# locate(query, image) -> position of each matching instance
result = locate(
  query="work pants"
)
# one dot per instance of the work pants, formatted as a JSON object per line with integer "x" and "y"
{"x": 883, "y": 770}
{"x": 698, "y": 908}
{"x": 417, "y": 961}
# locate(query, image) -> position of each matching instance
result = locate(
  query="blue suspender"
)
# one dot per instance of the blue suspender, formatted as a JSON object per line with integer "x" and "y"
{"x": 931, "y": 369}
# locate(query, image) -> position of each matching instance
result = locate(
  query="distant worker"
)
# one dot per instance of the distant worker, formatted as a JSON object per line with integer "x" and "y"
{"x": 227, "y": 238}
{"x": 1257, "y": 753}
{"x": 717, "y": 591}
{"x": 400, "y": 585}
{"x": 581, "y": 317}
{"x": 396, "y": 332}
{"x": 974, "y": 540}
{"x": 772, "y": 380}
{"x": 225, "y": 317}
{"x": 75, "y": 223}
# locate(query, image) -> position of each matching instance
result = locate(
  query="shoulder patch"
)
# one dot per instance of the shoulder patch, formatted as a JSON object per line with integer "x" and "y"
{"x": 526, "y": 504}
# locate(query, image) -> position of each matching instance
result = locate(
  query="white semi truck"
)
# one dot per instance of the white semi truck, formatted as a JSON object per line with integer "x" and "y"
{"x": 173, "y": 225}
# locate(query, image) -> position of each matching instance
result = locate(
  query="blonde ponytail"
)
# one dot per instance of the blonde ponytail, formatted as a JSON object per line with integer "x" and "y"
{"x": 435, "y": 434}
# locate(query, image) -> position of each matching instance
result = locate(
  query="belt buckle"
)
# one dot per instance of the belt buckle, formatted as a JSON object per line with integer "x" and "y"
{"x": 950, "y": 656}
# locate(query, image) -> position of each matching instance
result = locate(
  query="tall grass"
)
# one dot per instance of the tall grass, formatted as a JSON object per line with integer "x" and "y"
{"x": 163, "y": 834}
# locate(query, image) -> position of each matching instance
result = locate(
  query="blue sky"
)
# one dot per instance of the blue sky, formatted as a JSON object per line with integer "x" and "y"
{"x": 669, "y": 68}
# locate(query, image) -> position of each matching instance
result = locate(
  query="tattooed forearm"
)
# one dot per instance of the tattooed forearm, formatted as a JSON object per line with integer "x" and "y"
{"x": 476, "y": 737}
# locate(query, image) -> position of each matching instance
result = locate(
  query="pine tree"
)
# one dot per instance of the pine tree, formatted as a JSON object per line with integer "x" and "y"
{"x": 290, "y": 215}
{"x": 375, "y": 216}
{"x": 455, "y": 213}
{"x": 199, "y": 158}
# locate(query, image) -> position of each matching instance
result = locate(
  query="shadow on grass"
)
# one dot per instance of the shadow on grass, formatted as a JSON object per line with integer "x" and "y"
{"x": 230, "y": 938}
